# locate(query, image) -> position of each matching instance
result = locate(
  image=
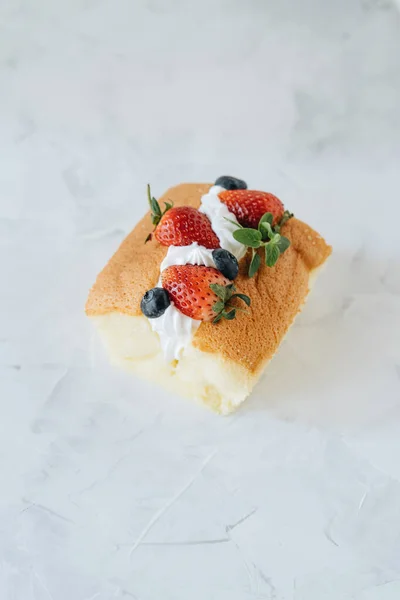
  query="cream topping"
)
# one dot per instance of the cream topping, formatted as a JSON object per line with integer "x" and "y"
{"x": 187, "y": 255}
{"x": 221, "y": 217}
{"x": 175, "y": 329}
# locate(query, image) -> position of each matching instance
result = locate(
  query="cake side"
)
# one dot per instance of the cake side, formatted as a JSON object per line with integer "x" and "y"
{"x": 206, "y": 377}
{"x": 276, "y": 293}
{"x": 135, "y": 267}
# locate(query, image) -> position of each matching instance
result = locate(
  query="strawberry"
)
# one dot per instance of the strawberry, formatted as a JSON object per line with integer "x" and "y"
{"x": 180, "y": 226}
{"x": 183, "y": 225}
{"x": 249, "y": 206}
{"x": 201, "y": 293}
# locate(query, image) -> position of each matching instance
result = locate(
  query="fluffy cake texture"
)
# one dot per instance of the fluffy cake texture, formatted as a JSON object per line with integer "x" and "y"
{"x": 225, "y": 360}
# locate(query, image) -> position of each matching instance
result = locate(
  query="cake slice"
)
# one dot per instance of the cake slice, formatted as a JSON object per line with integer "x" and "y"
{"x": 216, "y": 363}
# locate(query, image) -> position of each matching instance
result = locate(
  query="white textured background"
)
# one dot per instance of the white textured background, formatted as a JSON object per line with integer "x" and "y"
{"x": 113, "y": 490}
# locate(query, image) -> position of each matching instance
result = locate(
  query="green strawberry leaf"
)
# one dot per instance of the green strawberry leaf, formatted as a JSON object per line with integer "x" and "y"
{"x": 255, "y": 264}
{"x": 230, "y": 288}
{"x": 217, "y": 318}
{"x": 243, "y": 297}
{"x": 220, "y": 291}
{"x": 156, "y": 212}
{"x": 283, "y": 244}
{"x": 218, "y": 306}
{"x": 272, "y": 253}
{"x": 229, "y": 315}
{"x": 221, "y": 305}
{"x": 285, "y": 217}
{"x": 248, "y": 237}
{"x": 154, "y": 206}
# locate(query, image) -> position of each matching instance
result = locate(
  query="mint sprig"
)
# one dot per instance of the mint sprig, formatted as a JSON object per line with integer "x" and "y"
{"x": 249, "y": 237}
{"x": 156, "y": 212}
{"x": 226, "y": 293}
{"x": 255, "y": 263}
{"x": 266, "y": 236}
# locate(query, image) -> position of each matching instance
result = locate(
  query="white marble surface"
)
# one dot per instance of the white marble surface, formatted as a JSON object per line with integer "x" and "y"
{"x": 111, "y": 489}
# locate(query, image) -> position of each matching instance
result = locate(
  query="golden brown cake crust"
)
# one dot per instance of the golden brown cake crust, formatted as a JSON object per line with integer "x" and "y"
{"x": 276, "y": 293}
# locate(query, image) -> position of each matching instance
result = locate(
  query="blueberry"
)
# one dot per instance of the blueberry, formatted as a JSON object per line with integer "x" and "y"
{"x": 231, "y": 183}
{"x": 226, "y": 263}
{"x": 155, "y": 302}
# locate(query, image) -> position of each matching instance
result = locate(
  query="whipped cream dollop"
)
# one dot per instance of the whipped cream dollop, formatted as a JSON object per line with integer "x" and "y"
{"x": 175, "y": 329}
{"x": 218, "y": 213}
{"x": 187, "y": 255}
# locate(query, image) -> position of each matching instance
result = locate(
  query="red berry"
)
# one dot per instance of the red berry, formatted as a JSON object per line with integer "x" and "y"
{"x": 183, "y": 225}
{"x": 189, "y": 289}
{"x": 249, "y": 206}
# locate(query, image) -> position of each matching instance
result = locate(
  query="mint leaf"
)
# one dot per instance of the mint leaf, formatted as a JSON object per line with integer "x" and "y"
{"x": 255, "y": 264}
{"x": 248, "y": 237}
{"x": 264, "y": 225}
{"x": 243, "y": 297}
{"x": 283, "y": 244}
{"x": 272, "y": 253}
{"x": 266, "y": 218}
{"x": 266, "y": 230}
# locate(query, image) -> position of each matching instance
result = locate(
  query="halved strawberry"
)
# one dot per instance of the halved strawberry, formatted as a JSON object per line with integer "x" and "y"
{"x": 183, "y": 225}
{"x": 201, "y": 293}
{"x": 249, "y": 206}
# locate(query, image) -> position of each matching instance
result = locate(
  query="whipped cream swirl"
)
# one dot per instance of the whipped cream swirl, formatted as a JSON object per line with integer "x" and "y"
{"x": 218, "y": 213}
{"x": 187, "y": 255}
{"x": 175, "y": 329}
